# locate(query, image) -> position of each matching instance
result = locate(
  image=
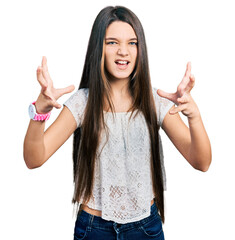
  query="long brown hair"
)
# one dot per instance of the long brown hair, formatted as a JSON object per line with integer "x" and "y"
{"x": 86, "y": 137}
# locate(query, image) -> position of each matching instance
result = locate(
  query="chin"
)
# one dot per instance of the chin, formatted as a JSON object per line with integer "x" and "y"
{"x": 118, "y": 74}
{"x": 122, "y": 77}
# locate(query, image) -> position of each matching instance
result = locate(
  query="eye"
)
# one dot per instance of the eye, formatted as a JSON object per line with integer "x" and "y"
{"x": 133, "y": 43}
{"x": 111, "y": 43}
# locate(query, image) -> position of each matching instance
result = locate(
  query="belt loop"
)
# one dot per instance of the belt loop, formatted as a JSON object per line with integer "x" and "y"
{"x": 90, "y": 223}
{"x": 140, "y": 223}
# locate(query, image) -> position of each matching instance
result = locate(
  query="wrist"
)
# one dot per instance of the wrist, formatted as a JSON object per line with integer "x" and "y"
{"x": 39, "y": 109}
{"x": 34, "y": 115}
{"x": 194, "y": 114}
{"x": 194, "y": 119}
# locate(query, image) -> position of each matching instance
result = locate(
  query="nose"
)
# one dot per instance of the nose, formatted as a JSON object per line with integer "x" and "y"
{"x": 122, "y": 50}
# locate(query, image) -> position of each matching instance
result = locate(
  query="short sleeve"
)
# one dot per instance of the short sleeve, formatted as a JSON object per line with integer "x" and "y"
{"x": 163, "y": 105}
{"x": 77, "y": 103}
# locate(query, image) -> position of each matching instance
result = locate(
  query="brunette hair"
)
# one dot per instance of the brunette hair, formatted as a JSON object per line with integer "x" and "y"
{"x": 86, "y": 137}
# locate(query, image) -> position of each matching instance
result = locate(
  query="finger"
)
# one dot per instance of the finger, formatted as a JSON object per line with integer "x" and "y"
{"x": 182, "y": 86}
{"x": 170, "y": 96}
{"x": 192, "y": 82}
{"x": 177, "y": 109}
{"x": 61, "y": 91}
{"x": 44, "y": 63}
{"x": 187, "y": 82}
{"x": 56, "y": 104}
{"x": 45, "y": 72}
{"x": 40, "y": 79}
{"x": 188, "y": 70}
{"x": 183, "y": 99}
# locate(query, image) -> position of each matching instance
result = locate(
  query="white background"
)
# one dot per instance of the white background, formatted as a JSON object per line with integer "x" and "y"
{"x": 36, "y": 204}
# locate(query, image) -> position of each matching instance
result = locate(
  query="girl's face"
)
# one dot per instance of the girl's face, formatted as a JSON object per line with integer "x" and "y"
{"x": 120, "y": 50}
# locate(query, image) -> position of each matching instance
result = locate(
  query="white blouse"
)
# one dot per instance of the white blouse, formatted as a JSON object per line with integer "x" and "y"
{"x": 122, "y": 181}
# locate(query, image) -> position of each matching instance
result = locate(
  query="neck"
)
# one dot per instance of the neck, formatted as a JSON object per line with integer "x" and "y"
{"x": 119, "y": 87}
{"x": 119, "y": 92}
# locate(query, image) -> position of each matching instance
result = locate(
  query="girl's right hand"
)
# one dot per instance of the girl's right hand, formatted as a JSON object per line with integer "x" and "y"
{"x": 47, "y": 99}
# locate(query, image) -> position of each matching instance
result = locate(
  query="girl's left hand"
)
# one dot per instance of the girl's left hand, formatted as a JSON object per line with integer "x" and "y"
{"x": 182, "y": 97}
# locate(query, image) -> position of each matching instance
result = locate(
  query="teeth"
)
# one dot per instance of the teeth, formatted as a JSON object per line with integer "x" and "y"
{"x": 122, "y": 62}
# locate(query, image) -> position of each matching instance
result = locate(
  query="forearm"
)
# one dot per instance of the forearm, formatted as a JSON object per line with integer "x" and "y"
{"x": 200, "y": 148}
{"x": 34, "y": 150}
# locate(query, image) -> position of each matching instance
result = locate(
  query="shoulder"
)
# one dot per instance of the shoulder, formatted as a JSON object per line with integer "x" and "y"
{"x": 160, "y": 102}
{"x": 80, "y": 93}
{"x": 163, "y": 105}
{"x": 80, "y": 96}
{"x": 154, "y": 91}
{"x": 77, "y": 103}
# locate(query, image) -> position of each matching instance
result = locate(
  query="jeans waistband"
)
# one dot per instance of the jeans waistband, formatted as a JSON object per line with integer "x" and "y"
{"x": 96, "y": 221}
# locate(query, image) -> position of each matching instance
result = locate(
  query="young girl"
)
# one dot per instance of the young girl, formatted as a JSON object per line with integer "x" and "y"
{"x": 115, "y": 116}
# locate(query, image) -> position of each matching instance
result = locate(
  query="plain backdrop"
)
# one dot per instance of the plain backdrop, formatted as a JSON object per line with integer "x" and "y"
{"x": 36, "y": 204}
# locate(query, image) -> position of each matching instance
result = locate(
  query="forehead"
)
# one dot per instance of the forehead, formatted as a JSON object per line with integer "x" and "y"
{"x": 120, "y": 29}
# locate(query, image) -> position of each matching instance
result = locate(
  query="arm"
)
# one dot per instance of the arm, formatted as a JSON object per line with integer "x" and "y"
{"x": 39, "y": 146}
{"x": 200, "y": 148}
{"x": 192, "y": 142}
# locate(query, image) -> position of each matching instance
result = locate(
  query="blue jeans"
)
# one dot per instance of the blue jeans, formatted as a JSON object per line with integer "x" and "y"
{"x": 88, "y": 226}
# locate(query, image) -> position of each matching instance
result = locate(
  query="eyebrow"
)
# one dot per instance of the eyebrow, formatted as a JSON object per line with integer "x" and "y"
{"x": 111, "y": 38}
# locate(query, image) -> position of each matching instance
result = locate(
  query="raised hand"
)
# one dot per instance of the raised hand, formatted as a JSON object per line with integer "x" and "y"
{"x": 49, "y": 95}
{"x": 182, "y": 97}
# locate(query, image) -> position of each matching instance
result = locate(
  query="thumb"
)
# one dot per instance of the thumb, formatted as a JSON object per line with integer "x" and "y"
{"x": 61, "y": 91}
{"x": 170, "y": 96}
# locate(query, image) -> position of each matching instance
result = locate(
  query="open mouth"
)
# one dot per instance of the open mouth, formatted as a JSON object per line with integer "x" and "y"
{"x": 122, "y": 63}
